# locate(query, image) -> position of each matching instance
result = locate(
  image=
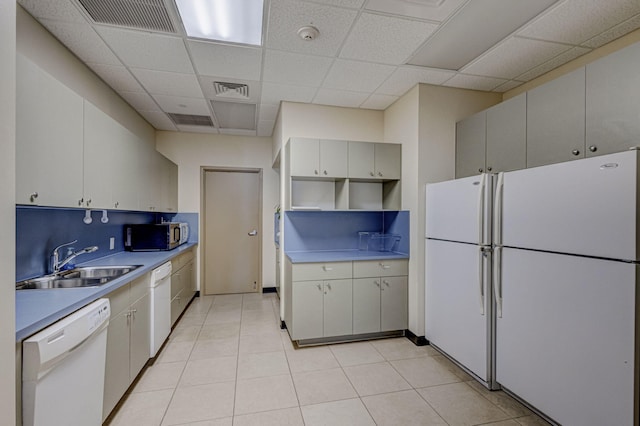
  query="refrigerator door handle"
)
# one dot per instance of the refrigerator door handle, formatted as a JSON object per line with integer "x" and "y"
{"x": 483, "y": 180}
{"x": 497, "y": 279}
{"x": 481, "y": 278}
{"x": 497, "y": 211}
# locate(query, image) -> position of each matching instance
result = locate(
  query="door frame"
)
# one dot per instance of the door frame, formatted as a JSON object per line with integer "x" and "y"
{"x": 203, "y": 225}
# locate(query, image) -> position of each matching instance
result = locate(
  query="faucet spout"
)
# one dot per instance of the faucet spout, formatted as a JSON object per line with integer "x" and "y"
{"x": 57, "y": 264}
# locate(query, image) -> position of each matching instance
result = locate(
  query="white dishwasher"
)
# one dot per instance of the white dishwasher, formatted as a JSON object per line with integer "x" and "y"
{"x": 160, "y": 306}
{"x": 63, "y": 370}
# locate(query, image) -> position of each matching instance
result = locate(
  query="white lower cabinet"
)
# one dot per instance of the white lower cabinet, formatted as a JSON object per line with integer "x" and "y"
{"x": 360, "y": 297}
{"x": 127, "y": 339}
{"x": 183, "y": 284}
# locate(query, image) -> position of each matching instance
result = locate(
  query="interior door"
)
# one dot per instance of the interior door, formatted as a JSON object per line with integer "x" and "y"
{"x": 565, "y": 335}
{"x": 231, "y": 230}
{"x": 457, "y": 309}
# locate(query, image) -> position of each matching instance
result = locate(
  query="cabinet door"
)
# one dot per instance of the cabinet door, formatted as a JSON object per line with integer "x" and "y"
{"x": 124, "y": 176}
{"x": 307, "y": 309}
{"x": 333, "y": 158}
{"x": 387, "y": 160}
{"x": 100, "y": 150}
{"x": 304, "y": 158}
{"x": 49, "y": 133}
{"x": 140, "y": 334}
{"x": 361, "y": 160}
{"x": 366, "y": 305}
{"x": 470, "y": 145}
{"x": 168, "y": 201}
{"x": 394, "y": 303}
{"x": 555, "y": 120}
{"x": 190, "y": 283}
{"x": 116, "y": 374}
{"x": 338, "y": 308}
{"x": 507, "y": 135}
{"x": 176, "y": 307}
{"x": 613, "y": 90}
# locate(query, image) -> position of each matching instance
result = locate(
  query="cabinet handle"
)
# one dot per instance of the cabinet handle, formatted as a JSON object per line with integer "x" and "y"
{"x": 117, "y": 204}
{"x": 80, "y": 201}
{"x": 576, "y": 152}
{"x": 480, "y": 170}
{"x": 315, "y": 172}
{"x": 385, "y": 282}
{"x": 489, "y": 169}
{"x": 319, "y": 287}
{"x": 371, "y": 174}
{"x": 88, "y": 202}
{"x": 377, "y": 283}
{"x": 593, "y": 148}
{"x": 329, "y": 286}
{"x": 380, "y": 174}
{"x": 327, "y": 268}
{"x": 33, "y": 197}
{"x": 325, "y": 172}
{"x": 385, "y": 266}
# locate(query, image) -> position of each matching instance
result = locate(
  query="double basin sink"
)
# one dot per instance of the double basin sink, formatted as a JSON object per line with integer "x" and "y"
{"x": 88, "y": 276}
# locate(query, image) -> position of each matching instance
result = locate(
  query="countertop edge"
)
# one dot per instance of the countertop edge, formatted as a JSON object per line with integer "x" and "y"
{"x": 88, "y": 295}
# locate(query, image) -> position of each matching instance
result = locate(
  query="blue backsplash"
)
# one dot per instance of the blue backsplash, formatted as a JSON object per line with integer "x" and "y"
{"x": 338, "y": 230}
{"x": 40, "y": 229}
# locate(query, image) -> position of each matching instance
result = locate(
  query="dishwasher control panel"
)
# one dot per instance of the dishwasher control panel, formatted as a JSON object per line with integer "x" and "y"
{"x": 98, "y": 317}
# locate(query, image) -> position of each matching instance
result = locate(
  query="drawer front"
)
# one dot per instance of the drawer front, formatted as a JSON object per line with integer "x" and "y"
{"x": 380, "y": 268}
{"x": 321, "y": 271}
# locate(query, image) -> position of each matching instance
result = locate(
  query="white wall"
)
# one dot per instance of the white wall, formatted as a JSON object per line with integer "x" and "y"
{"x": 7, "y": 210}
{"x": 424, "y": 121}
{"x": 191, "y": 151}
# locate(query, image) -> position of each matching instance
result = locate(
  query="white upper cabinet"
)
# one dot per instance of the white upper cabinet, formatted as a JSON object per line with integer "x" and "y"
{"x": 374, "y": 160}
{"x": 318, "y": 158}
{"x": 471, "y": 143}
{"x": 99, "y": 157}
{"x": 556, "y": 120}
{"x": 612, "y": 93}
{"x": 49, "y": 134}
{"x": 507, "y": 135}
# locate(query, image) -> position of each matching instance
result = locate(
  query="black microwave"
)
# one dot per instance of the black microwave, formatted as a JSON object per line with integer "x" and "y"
{"x": 151, "y": 237}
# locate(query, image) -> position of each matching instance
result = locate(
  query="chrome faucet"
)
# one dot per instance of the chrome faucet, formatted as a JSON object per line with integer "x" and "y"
{"x": 57, "y": 264}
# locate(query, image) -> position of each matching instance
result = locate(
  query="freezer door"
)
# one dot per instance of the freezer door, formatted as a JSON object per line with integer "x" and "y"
{"x": 460, "y": 209}
{"x": 585, "y": 207}
{"x": 565, "y": 339}
{"x": 457, "y": 304}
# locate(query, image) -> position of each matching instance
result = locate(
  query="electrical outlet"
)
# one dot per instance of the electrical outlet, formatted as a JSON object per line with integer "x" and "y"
{"x": 112, "y": 243}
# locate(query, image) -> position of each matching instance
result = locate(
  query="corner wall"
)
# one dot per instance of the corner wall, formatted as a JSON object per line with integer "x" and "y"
{"x": 192, "y": 151}
{"x": 7, "y": 210}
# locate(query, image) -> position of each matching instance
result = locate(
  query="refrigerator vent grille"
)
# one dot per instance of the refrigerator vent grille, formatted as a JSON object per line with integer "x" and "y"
{"x": 138, "y": 14}
{"x": 191, "y": 120}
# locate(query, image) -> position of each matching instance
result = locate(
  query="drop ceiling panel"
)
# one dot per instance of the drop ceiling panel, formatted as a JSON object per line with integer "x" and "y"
{"x": 240, "y": 62}
{"x": 353, "y": 4}
{"x": 53, "y": 9}
{"x": 182, "y": 105}
{"x": 434, "y": 11}
{"x": 356, "y": 76}
{"x": 553, "y": 63}
{"x": 207, "y": 82}
{"x": 82, "y": 40}
{"x": 265, "y": 128}
{"x": 295, "y": 68}
{"x": 118, "y": 77}
{"x": 140, "y": 101}
{"x": 385, "y": 39}
{"x": 234, "y": 115}
{"x": 287, "y": 16}
{"x": 168, "y": 83}
{"x": 474, "y": 82}
{"x": 148, "y": 50}
{"x": 575, "y": 21}
{"x": 268, "y": 112}
{"x": 273, "y": 93}
{"x": 514, "y": 57}
{"x": 614, "y": 33}
{"x": 379, "y": 101}
{"x": 158, "y": 119}
{"x": 404, "y": 78}
{"x": 340, "y": 98}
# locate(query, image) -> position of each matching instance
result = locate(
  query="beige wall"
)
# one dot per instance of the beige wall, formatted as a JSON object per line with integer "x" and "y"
{"x": 424, "y": 121}
{"x": 191, "y": 151}
{"x": 598, "y": 53}
{"x": 7, "y": 210}
{"x": 37, "y": 44}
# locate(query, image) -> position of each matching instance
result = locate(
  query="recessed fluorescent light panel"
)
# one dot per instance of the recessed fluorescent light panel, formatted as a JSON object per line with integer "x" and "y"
{"x": 235, "y": 21}
{"x": 476, "y": 27}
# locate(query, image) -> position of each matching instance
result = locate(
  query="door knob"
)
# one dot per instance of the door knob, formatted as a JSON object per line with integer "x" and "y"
{"x": 253, "y": 233}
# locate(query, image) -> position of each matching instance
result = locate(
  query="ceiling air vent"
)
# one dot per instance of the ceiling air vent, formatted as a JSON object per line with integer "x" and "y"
{"x": 190, "y": 120}
{"x": 140, "y": 14}
{"x": 231, "y": 90}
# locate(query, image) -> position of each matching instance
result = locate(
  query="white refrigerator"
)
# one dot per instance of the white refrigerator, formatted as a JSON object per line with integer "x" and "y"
{"x": 459, "y": 318}
{"x": 566, "y": 251}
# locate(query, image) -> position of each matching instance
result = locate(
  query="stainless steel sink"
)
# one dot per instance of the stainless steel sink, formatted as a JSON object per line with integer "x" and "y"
{"x": 88, "y": 276}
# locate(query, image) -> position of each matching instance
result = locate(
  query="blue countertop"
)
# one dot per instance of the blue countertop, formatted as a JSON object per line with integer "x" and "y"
{"x": 37, "y": 309}
{"x": 342, "y": 255}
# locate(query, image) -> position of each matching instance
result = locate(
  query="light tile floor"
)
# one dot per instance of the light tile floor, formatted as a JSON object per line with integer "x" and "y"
{"x": 228, "y": 363}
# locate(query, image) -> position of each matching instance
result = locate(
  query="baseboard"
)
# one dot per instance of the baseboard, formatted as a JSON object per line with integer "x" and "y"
{"x": 268, "y": 289}
{"x": 198, "y": 293}
{"x": 283, "y": 325}
{"x": 417, "y": 340}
